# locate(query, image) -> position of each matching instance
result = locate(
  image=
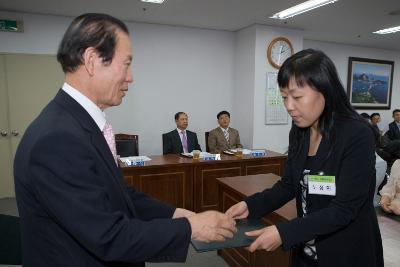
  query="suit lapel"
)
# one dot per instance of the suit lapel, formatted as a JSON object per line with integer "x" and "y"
{"x": 96, "y": 138}
{"x": 322, "y": 154}
{"x": 189, "y": 141}
{"x": 301, "y": 159}
{"x": 231, "y": 137}
{"x": 177, "y": 140}
{"x": 87, "y": 123}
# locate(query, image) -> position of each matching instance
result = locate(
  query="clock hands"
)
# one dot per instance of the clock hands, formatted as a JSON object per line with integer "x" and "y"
{"x": 280, "y": 53}
{"x": 284, "y": 51}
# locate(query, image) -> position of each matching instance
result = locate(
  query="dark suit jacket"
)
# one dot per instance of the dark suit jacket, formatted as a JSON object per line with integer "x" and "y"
{"x": 75, "y": 208}
{"x": 344, "y": 226}
{"x": 217, "y": 142}
{"x": 393, "y": 133}
{"x": 172, "y": 142}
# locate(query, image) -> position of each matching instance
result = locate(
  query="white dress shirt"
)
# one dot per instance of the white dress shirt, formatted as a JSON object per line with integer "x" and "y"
{"x": 94, "y": 111}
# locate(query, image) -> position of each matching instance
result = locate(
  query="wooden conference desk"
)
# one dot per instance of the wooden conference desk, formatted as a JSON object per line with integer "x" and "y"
{"x": 191, "y": 184}
{"x": 234, "y": 189}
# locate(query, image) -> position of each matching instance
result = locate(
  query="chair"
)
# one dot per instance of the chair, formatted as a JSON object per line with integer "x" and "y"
{"x": 127, "y": 144}
{"x": 10, "y": 245}
{"x": 207, "y": 134}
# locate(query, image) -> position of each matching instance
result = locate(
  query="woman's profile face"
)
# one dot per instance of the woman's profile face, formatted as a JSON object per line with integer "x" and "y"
{"x": 304, "y": 104}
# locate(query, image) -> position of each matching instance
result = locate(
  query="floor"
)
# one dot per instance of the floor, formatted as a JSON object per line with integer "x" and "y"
{"x": 390, "y": 230}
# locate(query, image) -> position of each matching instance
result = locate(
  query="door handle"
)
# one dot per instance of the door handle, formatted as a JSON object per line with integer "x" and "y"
{"x": 14, "y": 133}
{"x": 3, "y": 133}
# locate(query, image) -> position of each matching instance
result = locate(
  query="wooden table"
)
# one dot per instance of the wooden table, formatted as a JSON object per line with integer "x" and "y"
{"x": 191, "y": 184}
{"x": 234, "y": 189}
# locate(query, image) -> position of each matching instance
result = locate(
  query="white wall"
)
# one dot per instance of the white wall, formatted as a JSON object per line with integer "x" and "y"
{"x": 340, "y": 53}
{"x": 243, "y": 94}
{"x": 41, "y": 35}
{"x": 174, "y": 69}
{"x": 273, "y": 137}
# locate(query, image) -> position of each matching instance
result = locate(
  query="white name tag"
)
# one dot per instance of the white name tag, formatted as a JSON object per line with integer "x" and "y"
{"x": 321, "y": 185}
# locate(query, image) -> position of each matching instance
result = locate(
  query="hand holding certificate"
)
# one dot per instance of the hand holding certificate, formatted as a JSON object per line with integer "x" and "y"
{"x": 211, "y": 226}
{"x": 239, "y": 239}
{"x": 251, "y": 233}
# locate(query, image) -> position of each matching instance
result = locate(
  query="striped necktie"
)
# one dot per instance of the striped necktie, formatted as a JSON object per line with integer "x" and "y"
{"x": 110, "y": 138}
{"x": 226, "y": 135}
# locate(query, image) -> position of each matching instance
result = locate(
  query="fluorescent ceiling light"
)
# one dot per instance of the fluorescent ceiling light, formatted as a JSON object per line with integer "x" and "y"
{"x": 301, "y": 8}
{"x": 153, "y": 1}
{"x": 388, "y": 30}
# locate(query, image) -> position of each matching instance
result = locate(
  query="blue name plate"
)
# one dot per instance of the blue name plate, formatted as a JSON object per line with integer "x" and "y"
{"x": 209, "y": 158}
{"x": 258, "y": 153}
{"x": 136, "y": 163}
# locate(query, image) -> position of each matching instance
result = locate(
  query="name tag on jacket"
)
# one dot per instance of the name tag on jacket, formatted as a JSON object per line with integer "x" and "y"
{"x": 321, "y": 185}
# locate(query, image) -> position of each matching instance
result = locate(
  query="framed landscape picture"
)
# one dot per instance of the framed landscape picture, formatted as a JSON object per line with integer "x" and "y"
{"x": 369, "y": 83}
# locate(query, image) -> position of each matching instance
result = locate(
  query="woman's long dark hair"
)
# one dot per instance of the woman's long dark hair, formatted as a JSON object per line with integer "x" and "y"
{"x": 315, "y": 69}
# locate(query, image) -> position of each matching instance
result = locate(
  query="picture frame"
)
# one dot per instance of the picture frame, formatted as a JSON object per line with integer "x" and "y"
{"x": 369, "y": 83}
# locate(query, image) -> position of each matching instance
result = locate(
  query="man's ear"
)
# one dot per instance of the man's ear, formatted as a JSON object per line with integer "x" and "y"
{"x": 90, "y": 58}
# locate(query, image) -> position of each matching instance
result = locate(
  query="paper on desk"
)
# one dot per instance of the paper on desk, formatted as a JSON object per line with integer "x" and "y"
{"x": 244, "y": 150}
{"x": 203, "y": 155}
{"x": 136, "y": 158}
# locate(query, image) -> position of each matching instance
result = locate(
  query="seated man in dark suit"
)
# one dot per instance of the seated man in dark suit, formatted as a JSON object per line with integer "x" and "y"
{"x": 394, "y": 127}
{"x": 223, "y": 137}
{"x": 180, "y": 140}
{"x": 375, "y": 118}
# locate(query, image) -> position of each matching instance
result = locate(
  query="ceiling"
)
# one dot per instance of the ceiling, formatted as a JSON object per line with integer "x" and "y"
{"x": 346, "y": 21}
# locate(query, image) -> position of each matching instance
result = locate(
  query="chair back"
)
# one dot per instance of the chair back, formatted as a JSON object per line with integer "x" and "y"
{"x": 127, "y": 144}
{"x": 206, "y": 135}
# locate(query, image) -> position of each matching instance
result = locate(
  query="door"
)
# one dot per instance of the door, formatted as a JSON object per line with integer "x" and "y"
{"x": 6, "y": 183}
{"x": 31, "y": 82}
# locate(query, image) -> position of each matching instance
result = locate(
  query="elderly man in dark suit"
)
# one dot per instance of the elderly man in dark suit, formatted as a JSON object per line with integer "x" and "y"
{"x": 394, "y": 127}
{"x": 75, "y": 208}
{"x": 180, "y": 140}
{"x": 223, "y": 137}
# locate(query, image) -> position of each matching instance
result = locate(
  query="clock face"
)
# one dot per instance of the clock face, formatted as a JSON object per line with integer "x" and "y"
{"x": 278, "y": 51}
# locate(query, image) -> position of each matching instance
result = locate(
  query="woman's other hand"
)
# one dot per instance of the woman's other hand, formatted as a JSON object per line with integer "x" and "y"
{"x": 238, "y": 211}
{"x": 268, "y": 239}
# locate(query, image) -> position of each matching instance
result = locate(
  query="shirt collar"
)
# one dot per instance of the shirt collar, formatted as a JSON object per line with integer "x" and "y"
{"x": 180, "y": 131}
{"x": 94, "y": 111}
{"x": 227, "y": 129}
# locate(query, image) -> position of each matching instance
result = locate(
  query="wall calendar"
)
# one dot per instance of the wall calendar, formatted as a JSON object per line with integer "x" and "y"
{"x": 275, "y": 111}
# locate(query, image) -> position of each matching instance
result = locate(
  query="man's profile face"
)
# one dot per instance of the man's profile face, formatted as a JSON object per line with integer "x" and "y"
{"x": 224, "y": 121}
{"x": 111, "y": 80}
{"x": 396, "y": 117}
{"x": 182, "y": 122}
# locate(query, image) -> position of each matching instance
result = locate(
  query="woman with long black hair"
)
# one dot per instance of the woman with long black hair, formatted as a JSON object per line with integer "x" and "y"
{"x": 330, "y": 171}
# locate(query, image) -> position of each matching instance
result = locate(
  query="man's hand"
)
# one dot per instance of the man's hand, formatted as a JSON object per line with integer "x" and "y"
{"x": 238, "y": 211}
{"x": 179, "y": 213}
{"x": 211, "y": 226}
{"x": 268, "y": 239}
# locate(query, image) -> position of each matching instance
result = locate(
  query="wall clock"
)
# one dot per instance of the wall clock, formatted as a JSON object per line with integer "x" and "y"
{"x": 278, "y": 51}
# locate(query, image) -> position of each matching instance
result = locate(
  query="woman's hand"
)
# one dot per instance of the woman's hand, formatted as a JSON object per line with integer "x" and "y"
{"x": 385, "y": 203}
{"x": 268, "y": 238}
{"x": 238, "y": 211}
